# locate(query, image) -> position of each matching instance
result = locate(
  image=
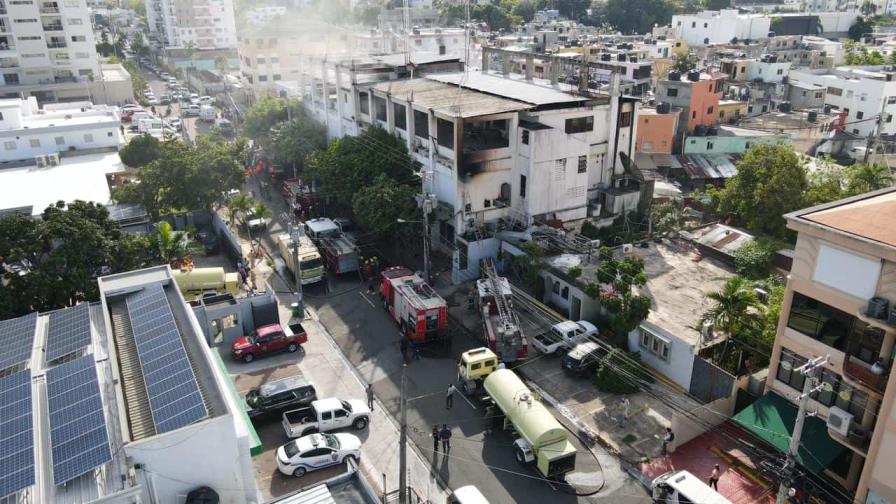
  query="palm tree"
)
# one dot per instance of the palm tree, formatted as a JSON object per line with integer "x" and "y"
{"x": 174, "y": 246}
{"x": 865, "y": 177}
{"x": 261, "y": 211}
{"x": 734, "y": 311}
{"x": 240, "y": 205}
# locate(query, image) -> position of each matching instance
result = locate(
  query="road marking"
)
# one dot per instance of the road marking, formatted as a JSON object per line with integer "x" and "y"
{"x": 365, "y": 299}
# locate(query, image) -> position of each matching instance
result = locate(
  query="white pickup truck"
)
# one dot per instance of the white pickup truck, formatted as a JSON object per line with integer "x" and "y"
{"x": 563, "y": 336}
{"x": 325, "y": 415}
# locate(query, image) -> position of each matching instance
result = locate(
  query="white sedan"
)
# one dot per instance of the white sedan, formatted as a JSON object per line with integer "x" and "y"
{"x": 316, "y": 451}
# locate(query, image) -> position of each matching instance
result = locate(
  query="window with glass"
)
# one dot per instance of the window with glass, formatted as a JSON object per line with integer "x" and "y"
{"x": 363, "y": 100}
{"x": 579, "y": 124}
{"x": 379, "y": 107}
{"x": 820, "y": 321}
{"x": 835, "y": 393}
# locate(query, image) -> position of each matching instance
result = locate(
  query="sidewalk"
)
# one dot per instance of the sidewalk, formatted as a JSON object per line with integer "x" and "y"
{"x": 326, "y": 366}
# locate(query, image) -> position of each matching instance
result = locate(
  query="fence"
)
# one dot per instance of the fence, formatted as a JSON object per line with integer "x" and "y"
{"x": 709, "y": 382}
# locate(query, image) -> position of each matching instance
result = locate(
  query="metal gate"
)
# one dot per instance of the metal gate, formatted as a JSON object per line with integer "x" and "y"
{"x": 710, "y": 382}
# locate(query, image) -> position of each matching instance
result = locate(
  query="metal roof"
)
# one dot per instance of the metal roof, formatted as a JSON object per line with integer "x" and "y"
{"x": 512, "y": 88}
{"x": 449, "y": 100}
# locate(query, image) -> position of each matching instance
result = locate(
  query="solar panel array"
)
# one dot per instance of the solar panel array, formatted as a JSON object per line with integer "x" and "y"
{"x": 174, "y": 396}
{"x": 68, "y": 331}
{"x": 16, "y": 433}
{"x": 80, "y": 441}
{"x": 16, "y": 339}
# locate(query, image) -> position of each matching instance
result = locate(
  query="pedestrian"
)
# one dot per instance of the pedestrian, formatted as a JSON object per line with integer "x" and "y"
{"x": 445, "y": 436}
{"x": 449, "y": 396}
{"x": 404, "y": 349}
{"x": 370, "y": 396}
{"x": 623, "y": 411}
{"x": 667, "y": 440}
{"x": 714, "y": 477}
{"x": 435, "y": 438}
{"x": 415, "y": 350}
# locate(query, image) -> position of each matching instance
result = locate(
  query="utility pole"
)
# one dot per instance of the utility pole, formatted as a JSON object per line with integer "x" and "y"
{"x": 809, "y": 387}
{"x": 426, "y": 204}
{"x": 403, "y": 443}
{"x": 295, "y": 235}
{"x": 872, "y": 138}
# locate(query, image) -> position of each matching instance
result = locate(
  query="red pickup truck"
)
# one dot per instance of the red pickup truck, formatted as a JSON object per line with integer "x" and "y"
{"x": 267, "y": 340}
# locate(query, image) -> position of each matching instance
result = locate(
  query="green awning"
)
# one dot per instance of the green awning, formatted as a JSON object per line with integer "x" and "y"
{"x": 771, "y": 419}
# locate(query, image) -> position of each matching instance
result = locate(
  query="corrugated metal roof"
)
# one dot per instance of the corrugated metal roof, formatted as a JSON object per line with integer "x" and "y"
{"x": 448, "y": 99}
{"x": 315, "y": 495}
{"x": 708, "y": 166}
{"x": 509, "y": 87}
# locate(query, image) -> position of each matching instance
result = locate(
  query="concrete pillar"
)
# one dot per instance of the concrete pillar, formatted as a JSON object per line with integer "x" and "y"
{"x": 340, "y": 128}
{"x": 530, "y": 63}
{"x": 505, "y": 64}
{"x": 555, "y": 70}
{"x": 485, "y": 52}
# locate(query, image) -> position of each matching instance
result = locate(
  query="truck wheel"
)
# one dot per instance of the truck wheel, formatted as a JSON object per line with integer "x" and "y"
{"x": 360, "y": 423}
{"x": 292, "y": 347}
{"x": 248, "y": 358}
{"x": 299, "y": 472}
{"x": 520, "y": 456}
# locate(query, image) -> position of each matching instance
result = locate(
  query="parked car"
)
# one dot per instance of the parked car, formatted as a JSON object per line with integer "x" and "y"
{"x": 209, "y": 241}
{"x": 584, "y": 358}
{"x": 563, "y": 336}
{"x": 317, "y": 451}
{"x": 176, "y": 123}
{"x": 165, "y": 75}
{"x": 266, "y": 340}
{"x": 275, "y": 397}
{"x": 325, "y": 415}
{"x": 152, "y": 100}
{"x": 190, "y": 111}
{"x": 194, "y": 98}
{"x": 206, "y": 100}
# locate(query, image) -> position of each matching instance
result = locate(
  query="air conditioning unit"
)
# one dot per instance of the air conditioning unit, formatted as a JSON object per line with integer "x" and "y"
{"x": 40, "y": 161}
{"x": 53, "y": 159}
{"x": 627, "y": 248}
{"x": 839, "y": 421}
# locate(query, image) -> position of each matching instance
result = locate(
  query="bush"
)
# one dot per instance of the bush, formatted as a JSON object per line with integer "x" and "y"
{"x": 621, "y": 373}
{"x": 753, "y": 260}
{"x": 574, "y": 272}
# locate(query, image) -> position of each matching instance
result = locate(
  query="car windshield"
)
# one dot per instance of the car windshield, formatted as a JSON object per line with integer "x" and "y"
{"x": 311, "y": 264}
{"x": 347, "y": 406}
{"x": 252, "y": 337}
{"x": 291, "y": 449}
{"x": 331, "y": 441}
{"x": 252, "y": 398}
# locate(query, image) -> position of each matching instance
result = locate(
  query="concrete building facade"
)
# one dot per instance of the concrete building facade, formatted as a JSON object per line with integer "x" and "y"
{"x": 201, "y": 24}
{"x": 720, "y": 27}
{"x": 656, "y": 131}
{"x": 845, "y": 255}
{"x": 696, "y": 94}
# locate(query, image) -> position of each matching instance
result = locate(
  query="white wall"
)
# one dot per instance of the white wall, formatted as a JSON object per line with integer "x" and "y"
{"x": 680, "y": 364}
{"x": 719, "y": 27}
{"x": 861, "y": 96}
{"x": 590, "y": 307}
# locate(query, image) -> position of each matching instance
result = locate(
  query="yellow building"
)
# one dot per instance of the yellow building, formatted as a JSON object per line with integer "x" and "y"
{"x": 731, "y": 110}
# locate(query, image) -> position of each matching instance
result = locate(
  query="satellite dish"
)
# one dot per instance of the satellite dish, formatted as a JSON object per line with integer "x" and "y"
{"x": 786, "y": 365}
{"x": 827, "y": 387}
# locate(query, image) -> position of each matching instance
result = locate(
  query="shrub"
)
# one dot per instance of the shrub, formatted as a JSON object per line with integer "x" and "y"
{"x": 574, "y": 272}
{"x": 621, "y": 372}
{"x": 753, "y": 260}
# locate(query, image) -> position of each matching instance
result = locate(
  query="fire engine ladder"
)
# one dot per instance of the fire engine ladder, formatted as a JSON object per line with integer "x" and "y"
{"x": 509, "y": 339}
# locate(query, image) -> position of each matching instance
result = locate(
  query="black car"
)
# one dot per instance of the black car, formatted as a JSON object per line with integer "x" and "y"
{"x": 209, "y": 241}
{"x": 584, "y": 358}
{"x": 273, "y": 398}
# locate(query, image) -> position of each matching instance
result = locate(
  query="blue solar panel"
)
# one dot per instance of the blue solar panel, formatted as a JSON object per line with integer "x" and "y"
{"x": 171, "y": 387}
{"x": 77, "y": 423}
{"x": 68, "y": 331}
{"x": 16, "y": 340}
{"x": 16, "y": 433}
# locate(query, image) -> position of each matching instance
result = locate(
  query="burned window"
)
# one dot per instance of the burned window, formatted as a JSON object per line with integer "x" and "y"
{"x": 445, "y": 131}
{"x": 421, "y": 124}
{"x": 580, "y": 124}
{"x": 401, "y": 118}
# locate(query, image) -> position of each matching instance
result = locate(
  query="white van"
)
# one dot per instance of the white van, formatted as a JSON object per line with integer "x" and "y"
{"x": 467, "y": 495}
{"x": 207, "y": 113}
{"x": 682, "y": 487}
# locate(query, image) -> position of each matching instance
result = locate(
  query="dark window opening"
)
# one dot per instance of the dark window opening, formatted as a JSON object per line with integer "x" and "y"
{"x": 445, "y": 132}
{"x": 525, "y": 138}
{"x": 580, "y": 124}
{"x": 625, "y": 119}
{"x": 522, "y": 186}
{"x": 379, "y": 107}
{"x": 421, "y": 124}
{"x": 486, "y": 135}
{"x": 364, "y": 100}
{"x": 401, "y": 119}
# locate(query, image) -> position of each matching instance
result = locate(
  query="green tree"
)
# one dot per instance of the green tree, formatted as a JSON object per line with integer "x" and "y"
{"x": 638, "y": 16}
{"x": 350, "y": 163}
{"x": 525, "y": 10}
{"x": 530, "y": 263}
{"x": 770, "y": 182}
{"x": 378, "y": 206}
{"x": 261, "y": 116}
{"x": 292, "y": 142}
{"x": 173, "y": 246}
{"x": 683, "y": 63}
{"x": 718, "y": 4}
{"x": 734, "y": 308}
{"x": 862, "y": 27}
{"x": 621, "y": 373}
{"x": 573, "y": 9}
{"x": 667, "y": 218}
{"x": 864, "y": 177}
{"x": 240, "y": 205}
{"x": 753, "y": 259}
{"x": 492, "y": 15}
{"x": 140, "y": 151}
{"x": 621, "y": 278}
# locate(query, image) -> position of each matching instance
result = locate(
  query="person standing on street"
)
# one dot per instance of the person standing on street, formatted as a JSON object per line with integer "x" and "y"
{"x": 449, "y": 396}
{"x": 667, "y": 439}
{"x": 623, "y": 411}
{"x": 435, "y": 438}
{"x": 404, "y": 349}
{"x": 714, "y": 477}
{"x": 445, "y": 436}
{"x": 370, "y": 396}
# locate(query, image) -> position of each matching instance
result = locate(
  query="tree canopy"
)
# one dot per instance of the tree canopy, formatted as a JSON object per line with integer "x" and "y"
{"x": 186, "y": 177}
{"x": 292, "y": 142}
{"x": 635, "y": 16}
{"x": 67, "y": 249}
{"x": 379, "y": 206}
{"x": 261, "y": 116}
{"x": 140, "y": 151}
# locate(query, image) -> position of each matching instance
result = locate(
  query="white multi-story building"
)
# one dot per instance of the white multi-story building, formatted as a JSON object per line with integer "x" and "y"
{"x": 720, "y": 27}
{"x": 47, "y": 49}
{"x": 493, "y": 148}
{"x": 766, "y": 69}
{"x": 28, "y": 132}
{"x": 861, "y": 92}
{"x": 202, "y": 24}
{"x": 262, "y": 15}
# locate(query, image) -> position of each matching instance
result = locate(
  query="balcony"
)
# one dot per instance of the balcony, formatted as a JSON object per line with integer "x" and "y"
{"x": 49, "y": 9}
{"x": 51, "y": 27}
{"x": 9, "y": 63}
{"x": 62, "y": 79}
{"x": 857, "y": 440}
{"x": 57, "y": 44}
{"x": 870, "y": 376}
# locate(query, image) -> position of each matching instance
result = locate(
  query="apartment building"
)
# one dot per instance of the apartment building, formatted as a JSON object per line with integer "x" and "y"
{"x": 720, "y": 27}
{"x": 29, "y": 132}
{"x": 696, "y": 94}
{"x": 860, "y": 92}
{"x": 47, "y": 49}
{"x": 766, "y": 69}
{"x": 201, "y": 24}
{"x": 494, "y": 147}
{"x": 843, "y": 275}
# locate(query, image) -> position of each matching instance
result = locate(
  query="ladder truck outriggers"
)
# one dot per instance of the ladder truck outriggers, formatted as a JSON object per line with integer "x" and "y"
{"x": 500, "y": 323}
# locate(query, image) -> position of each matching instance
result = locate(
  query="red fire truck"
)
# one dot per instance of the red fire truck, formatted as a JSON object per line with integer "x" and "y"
{"x": 417, "y": 307}
{"x": 500, "y": 324}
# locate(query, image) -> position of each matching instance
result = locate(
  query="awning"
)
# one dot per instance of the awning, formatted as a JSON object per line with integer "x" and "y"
{"x": 771, "y": 419}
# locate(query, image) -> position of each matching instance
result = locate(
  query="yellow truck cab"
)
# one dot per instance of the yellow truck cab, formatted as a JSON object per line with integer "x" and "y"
{"x": 195, "y": 282}
{"x": 473, "y": 366}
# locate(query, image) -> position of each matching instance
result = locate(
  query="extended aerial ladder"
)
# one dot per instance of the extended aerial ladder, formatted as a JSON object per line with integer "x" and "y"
{"x": 501, "y": 326}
